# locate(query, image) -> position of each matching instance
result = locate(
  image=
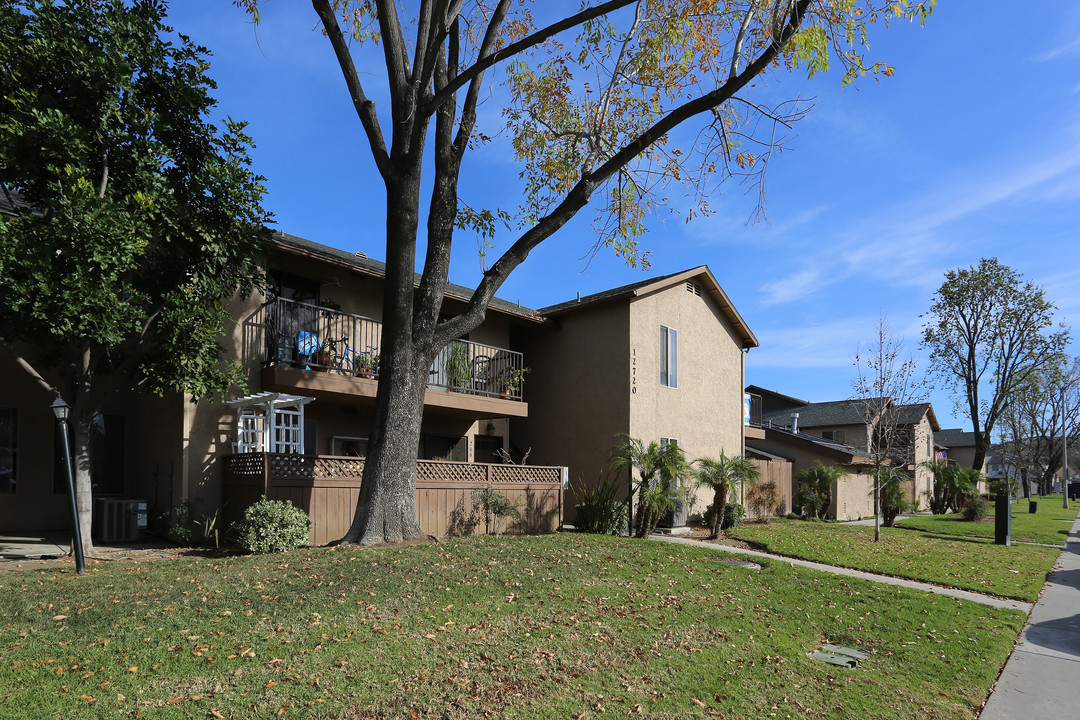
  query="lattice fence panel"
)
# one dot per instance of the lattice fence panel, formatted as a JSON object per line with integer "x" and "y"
{"x": 286, "y": 466}
{"x": 243, "y": 465}
{"x": 527, "y": 474}
{"x": 451, "y": 471}
{"x": 327, "y": 467}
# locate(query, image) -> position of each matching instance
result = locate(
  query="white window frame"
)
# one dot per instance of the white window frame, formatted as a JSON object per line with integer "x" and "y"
{"x": 669, "y": 357}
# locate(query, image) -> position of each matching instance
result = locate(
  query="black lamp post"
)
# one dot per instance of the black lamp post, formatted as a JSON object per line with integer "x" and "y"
{"x": 60, "y": 410}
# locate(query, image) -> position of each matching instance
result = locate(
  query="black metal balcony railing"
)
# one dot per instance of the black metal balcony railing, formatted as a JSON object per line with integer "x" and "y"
{"x": 325, "y": 340}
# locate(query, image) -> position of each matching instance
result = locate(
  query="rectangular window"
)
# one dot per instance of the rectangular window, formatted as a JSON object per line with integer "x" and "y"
{"x": 834, "y": 435}
{"x": 669, "y": 357}
{"x": 9, "y": 447}
{"x": 348, "y": 446}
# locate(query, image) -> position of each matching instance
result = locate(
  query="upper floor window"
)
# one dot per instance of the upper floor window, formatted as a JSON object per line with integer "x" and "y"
{"x": 669, "y": 357}
{"x": 834, "y": 435}
{"x": 9, "y": 443}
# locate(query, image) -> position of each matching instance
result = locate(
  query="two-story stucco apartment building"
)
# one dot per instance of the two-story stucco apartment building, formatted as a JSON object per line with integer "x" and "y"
{"x": 659, "y": 359}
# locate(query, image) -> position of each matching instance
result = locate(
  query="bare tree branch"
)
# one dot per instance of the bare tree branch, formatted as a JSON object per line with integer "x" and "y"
{"x": 365, "y": 108}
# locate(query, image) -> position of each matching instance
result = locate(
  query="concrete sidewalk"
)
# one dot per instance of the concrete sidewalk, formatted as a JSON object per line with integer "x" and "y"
{"x": 872, "y": 577}
{"x": 1042, "y": 677}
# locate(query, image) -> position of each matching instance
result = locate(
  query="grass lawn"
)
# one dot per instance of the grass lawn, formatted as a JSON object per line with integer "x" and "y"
{"x": 571, "y": 626}
{"x": 1018, "y": 571}
{"x": 1049, "y": 526}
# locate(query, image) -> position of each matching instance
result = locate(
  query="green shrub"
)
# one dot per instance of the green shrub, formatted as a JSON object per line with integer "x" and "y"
{"x": 600, "y": 511}
{"x": 272, "y": 526}
{"x": 976, "y": 510}
{"x": 734, "y": 513}
{"x": 733, "y": 516}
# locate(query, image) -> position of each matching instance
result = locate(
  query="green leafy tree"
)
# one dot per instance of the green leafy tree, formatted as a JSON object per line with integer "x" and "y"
{"x": 609, "y": 102}
{"x": 725, "y": 475}
{"x": 662, "y": 470}
{"x": 135, "y": 217}
{"x": 989, "y": 332}
{"x": 815, "y": 489}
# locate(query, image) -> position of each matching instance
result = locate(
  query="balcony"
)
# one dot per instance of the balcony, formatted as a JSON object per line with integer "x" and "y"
{"x": 318, "y": 351}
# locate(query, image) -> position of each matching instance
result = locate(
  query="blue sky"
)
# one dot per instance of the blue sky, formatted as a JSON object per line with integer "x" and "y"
{"x": 972, "y": 150}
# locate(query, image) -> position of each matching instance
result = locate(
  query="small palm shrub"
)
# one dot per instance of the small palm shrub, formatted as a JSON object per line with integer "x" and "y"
{"x": 815, "y": 489}
{"x": 893, "y": 498}
{"x": 272, "y": 526}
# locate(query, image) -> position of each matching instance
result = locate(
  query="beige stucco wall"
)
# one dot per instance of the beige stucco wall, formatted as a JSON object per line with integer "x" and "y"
{"x": 853, "y": 497}
{"x": 923, "y": 452}
{"x": 857, "y": 436}
{"x": 578, "y": 392}
{"x": 704, "y": 413}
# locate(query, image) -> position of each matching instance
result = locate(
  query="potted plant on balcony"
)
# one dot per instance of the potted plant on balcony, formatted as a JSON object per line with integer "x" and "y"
{"x": 458, "y": 368}
{"x": 320, "y": 359}
{"x": 510, "y": 380}
{"x": 367, "y": 363}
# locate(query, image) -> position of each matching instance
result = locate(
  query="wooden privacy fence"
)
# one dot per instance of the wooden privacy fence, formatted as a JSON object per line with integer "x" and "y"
{"x": 779, "y": 472}
{"x": 327, "y": 487}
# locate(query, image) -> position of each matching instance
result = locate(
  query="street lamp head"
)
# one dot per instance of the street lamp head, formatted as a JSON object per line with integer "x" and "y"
{"x": 60, "y": 408}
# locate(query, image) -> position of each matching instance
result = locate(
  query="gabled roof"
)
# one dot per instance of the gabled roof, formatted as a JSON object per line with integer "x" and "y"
{"x": 838, "y": 412}
{"x": 954, "y": 437}
{"x": 358, "y": 262}
{"x": 912, "y": 414}
{"x": 656, "y": 284}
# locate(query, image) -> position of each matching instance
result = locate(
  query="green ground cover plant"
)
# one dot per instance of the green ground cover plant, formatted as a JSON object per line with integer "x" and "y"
{"x": 975, "y": 564}
{"x": 581, "y": 626}
{"x": 1049, "y": 526}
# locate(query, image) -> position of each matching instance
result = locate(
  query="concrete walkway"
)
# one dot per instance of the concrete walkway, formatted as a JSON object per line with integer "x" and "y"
{"x": 1042, "y": 677}
{"x": 35, "y": 547}
{"x": 884, "y": 579}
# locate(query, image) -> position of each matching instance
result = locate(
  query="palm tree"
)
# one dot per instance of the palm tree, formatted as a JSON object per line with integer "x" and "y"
{"x": 725, "y": 475}
{"x": 815, "y": 488}
{"x": 661, "y": 469}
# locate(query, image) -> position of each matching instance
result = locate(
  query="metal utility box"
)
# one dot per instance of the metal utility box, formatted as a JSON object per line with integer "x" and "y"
{"x": 119, "y": 519}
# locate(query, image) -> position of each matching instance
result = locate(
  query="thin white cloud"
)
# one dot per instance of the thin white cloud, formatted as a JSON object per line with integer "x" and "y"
{"x": 1065, "y": 49}
{"x": 794, "y": 287}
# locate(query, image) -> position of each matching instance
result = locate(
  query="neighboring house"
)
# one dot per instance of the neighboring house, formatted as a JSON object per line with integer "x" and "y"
{"x": 846, "y": 422}
{"x": 957, "y": 447}
{"x": 852, "y": 495}
{"x": 659, "y": 360}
